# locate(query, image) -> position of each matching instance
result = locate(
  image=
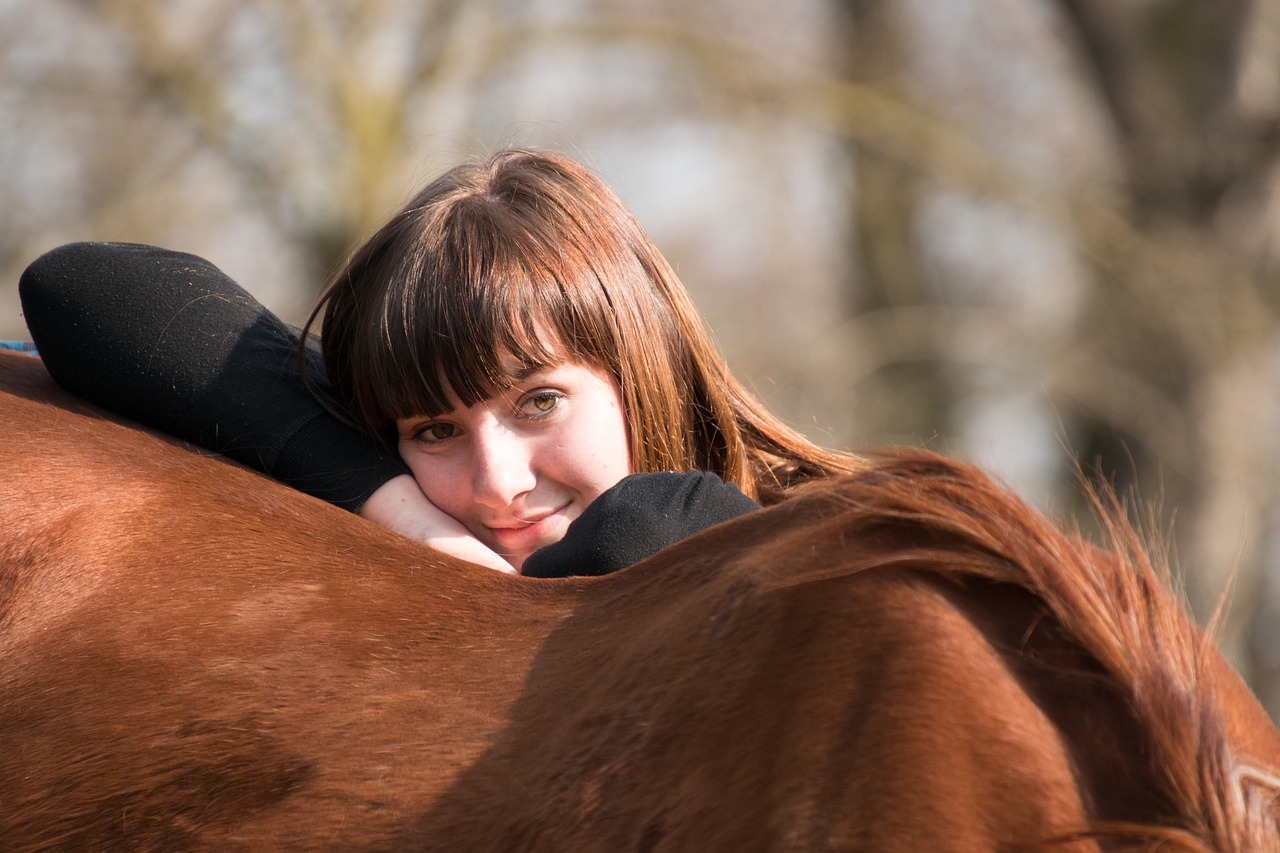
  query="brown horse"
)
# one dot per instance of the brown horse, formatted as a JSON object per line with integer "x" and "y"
{"x": 192, "y": 657}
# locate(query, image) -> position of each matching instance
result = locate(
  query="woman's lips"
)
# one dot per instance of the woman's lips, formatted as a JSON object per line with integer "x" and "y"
{"x": 520, "y": 537}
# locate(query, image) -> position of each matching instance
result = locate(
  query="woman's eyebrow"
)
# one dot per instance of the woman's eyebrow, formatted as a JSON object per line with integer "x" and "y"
{"x": 523, "y": 373}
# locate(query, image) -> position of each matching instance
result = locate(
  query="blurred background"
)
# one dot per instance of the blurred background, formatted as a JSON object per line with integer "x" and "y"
{"x": 1041, "y": 235}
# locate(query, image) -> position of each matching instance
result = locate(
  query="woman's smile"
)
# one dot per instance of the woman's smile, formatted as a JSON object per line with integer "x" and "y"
{"x": 518, "y": 467}
{"x": 525, "y": 535}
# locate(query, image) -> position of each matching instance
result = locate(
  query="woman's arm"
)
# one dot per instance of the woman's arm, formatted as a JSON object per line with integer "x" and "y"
{"x": 169, "y": 340}
{"x": 635, "y": 519}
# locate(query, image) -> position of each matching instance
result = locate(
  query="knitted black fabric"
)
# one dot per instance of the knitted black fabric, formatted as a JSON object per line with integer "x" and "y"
{"x": 637, "y": 518}
{"x": 167, "y": 339}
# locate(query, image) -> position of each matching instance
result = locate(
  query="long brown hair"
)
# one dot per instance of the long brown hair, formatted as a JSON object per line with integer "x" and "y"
{"x": 529, "y": 256}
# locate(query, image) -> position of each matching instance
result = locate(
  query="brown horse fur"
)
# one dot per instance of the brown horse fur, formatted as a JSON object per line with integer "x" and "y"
{"x": 192, "y": 657}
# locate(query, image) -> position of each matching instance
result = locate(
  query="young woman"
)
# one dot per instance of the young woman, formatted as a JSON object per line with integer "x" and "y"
{"x": 552, "y": 393}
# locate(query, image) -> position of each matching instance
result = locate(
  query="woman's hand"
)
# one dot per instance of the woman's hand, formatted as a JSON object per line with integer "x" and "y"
{"x": 400, "y": 505}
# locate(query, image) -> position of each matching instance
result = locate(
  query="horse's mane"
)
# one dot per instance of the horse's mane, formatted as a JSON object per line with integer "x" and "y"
{"x": 948, "y": 519}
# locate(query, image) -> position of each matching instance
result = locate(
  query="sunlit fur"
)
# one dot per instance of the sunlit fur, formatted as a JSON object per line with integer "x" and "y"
{"x": 909, "y": 658}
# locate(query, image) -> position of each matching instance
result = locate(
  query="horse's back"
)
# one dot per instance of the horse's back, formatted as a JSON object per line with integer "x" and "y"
{"x": 194, "y": 657}
{"x": 860, "y": 712}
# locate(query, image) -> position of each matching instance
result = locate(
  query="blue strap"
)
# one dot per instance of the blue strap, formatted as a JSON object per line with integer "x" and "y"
{"x": 20, "y": 346}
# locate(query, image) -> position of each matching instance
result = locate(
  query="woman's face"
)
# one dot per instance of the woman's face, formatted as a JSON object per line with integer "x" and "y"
{"x": 516, "y": 468}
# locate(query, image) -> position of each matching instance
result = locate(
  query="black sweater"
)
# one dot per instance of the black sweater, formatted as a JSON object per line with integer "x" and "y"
{"x": 167, "y": 339}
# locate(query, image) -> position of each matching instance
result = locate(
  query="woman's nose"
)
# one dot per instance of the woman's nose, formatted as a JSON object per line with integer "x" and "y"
{"x": 503, "y": 468}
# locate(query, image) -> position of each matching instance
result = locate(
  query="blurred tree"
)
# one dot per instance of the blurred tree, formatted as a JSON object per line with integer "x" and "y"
{"x": 317, "y": 106}
{"x": 994, "y": 226}
{"x": 908, "y": 398}
{"x": 1185, "y": 294}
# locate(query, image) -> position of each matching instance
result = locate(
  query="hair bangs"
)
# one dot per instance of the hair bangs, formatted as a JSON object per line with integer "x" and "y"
{"x": 475, "y": 321}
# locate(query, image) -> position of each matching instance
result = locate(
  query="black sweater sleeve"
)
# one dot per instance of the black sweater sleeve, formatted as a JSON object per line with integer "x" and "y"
{"x": 167, "y": 339}
{"x": 637, "y": 518}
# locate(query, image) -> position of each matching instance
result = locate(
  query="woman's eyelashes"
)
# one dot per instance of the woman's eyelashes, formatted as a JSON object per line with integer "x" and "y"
{"x": 533, "y": 406}
{"x": 540, "y": 403}
{"x": 435, "y": 432}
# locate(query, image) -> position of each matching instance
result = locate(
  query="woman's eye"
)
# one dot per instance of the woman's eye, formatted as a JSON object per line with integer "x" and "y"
{"x": 542, "y": 402}
{"x": 437, "y": 432}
